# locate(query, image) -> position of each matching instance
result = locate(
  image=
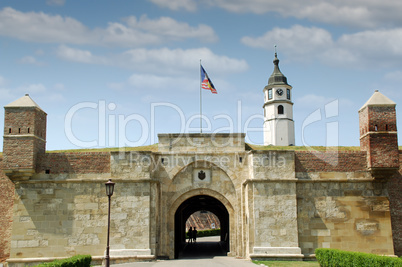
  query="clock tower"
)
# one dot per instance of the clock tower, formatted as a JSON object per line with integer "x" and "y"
{"x": 279, "y": 127}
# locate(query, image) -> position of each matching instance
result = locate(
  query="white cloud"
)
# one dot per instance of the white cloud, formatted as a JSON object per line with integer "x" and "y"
{"x": 189, "y": 5}
{"x": 40, "y": 27}
{"x": 78, "y": 55}
{"x": 358, "y": 50}
{"x": 42, "y": 94}
{"x": 298, "y": 40}
{"x": 30, "y": 60}
{"x": 154, "y": 82}
{"x": 174, "y": 61}
{"x": 357, "y": 13}
{"x": 44, "y": 28}
{"x": 159, "y": 61}
{"x": 169, "y": 28}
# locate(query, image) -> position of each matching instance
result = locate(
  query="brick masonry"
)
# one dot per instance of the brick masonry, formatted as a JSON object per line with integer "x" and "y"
{"x": 331, "y": 161}
{"x": 87, "y": 162}
{"x": 203, "y": 221}
{"x": 6, "y": 208}
{"x": 24, "y": 137}
{"x": 378, "y": 136}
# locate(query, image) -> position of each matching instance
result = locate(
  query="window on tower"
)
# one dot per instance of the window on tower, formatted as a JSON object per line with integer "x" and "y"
{"x": 280, "y": 109}
{"x": 269, "y": 94}
{"x": 288, "y": 94}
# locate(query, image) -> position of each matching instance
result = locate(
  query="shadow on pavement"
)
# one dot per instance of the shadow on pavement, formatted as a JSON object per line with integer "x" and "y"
{"x": 203, "y": 250}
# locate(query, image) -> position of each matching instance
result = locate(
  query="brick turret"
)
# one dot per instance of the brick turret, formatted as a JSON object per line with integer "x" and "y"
{"x": 378, "y": 134}
{"x": 24, "y": 141}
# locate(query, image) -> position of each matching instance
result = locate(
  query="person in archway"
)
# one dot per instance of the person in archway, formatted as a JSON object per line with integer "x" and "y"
{"x": 190, "y": 235}
{"x": 194, "y": 234}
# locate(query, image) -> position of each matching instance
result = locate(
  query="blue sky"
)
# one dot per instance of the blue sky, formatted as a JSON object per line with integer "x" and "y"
{"x": 116, "y": 73}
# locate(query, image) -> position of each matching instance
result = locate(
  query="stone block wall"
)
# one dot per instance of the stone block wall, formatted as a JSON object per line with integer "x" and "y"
{"x": 394, "y": 186}
{"x": 131, "y": 218}
{"x": 351, "y": 216}
{"x": 273, "y": 164}
{"x": 68, "y": 218}
{"x": 197, "y": 142}
{"x": 6, "y": 213}
{"x": 132, "y": 164}
{"x": 181, "y": 181}
{"x": 275, "y": 215}
{"x": 58, "y": 220}
{"x": 292, "y": 199}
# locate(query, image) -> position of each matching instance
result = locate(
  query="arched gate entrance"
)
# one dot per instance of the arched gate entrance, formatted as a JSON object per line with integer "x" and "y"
{"x": 197, "y": 203}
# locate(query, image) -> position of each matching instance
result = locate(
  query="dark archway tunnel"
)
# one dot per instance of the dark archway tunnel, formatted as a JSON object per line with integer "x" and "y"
{"x": 197, "y": 203}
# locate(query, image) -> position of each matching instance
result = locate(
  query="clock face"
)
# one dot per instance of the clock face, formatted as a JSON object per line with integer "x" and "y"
{"x": 279, "y": 92}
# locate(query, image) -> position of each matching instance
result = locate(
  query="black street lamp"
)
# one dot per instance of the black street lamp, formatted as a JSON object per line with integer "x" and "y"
{"x": 109, "y": 192}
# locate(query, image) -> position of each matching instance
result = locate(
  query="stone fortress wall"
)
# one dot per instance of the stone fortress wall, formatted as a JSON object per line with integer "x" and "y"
{"x": 280, "y": 203}
{"x": 56, "y": 215}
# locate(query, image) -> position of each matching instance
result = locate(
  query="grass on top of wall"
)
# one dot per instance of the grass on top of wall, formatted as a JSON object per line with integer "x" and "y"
{"x": 152, "y": 148}
{"x": 304, "y": 148}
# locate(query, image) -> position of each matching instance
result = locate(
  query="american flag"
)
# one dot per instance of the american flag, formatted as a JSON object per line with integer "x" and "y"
{"x": 206, "y": 82}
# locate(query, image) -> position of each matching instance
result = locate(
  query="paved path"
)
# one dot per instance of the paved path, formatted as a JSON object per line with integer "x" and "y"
{"x": 204, "y": 253}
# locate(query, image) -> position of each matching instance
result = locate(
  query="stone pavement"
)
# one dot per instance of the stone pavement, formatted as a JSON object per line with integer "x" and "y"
{"x": 215, "y": 261}
{"x": 205, "y": 252}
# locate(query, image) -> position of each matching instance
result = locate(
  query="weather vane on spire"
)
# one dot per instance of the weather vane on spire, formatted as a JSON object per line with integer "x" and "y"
{"x": 275, "y": 49}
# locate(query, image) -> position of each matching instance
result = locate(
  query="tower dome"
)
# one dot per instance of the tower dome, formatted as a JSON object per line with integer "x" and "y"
{"x": 277, "y": 77}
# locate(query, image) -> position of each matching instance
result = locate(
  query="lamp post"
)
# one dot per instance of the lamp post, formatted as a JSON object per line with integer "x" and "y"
{"x": 109, "y": 192}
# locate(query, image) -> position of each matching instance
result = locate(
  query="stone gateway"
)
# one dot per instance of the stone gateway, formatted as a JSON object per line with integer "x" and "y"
{"x": 279, "y": 204}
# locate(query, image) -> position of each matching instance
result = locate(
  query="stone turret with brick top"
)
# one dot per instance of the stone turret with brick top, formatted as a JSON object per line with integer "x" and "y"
{"x": 24, "y": 143}
{"x": 378, "y": 134}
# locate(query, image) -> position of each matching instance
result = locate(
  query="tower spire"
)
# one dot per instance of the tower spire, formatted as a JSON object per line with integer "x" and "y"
{"x": 276, "y": 60}
{"x": 277, "y": 77}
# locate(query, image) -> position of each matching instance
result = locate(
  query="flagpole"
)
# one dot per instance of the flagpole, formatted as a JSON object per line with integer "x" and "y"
{"x": 200, "y": 100}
